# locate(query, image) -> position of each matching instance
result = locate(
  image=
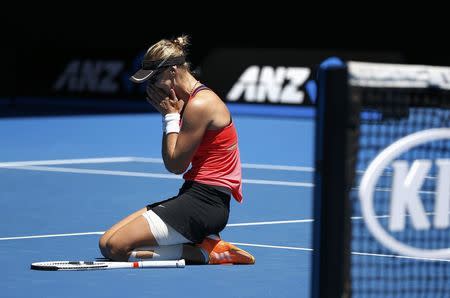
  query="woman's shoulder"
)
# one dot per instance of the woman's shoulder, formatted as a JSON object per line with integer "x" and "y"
{"x": 199, "y": 105}
{"x": 209, "y": 107}
{"x": 206, "y": 94}
{"x": 204, "y": 99}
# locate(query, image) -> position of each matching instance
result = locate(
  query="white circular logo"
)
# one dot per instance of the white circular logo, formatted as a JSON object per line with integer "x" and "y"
{"x": 369, "y": 181}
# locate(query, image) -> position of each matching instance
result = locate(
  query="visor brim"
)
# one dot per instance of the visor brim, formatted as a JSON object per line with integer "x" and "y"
{"x": 141, "y": 75}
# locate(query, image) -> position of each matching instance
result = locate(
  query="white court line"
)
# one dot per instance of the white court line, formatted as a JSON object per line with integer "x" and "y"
{"x": 148, "y": 159}
{"x": 353, "y": 253}
{"x": 260, "y": 223}
{"x": 138, "y": 159}
{"x": 244, "y": 165}
{"x": 269, "y": 222}
{"x": 148, "y": 175}
{"x": 32, "y": 165}
{"x": 52, "y": 236}
{"x": 397, "y": 256}
{"x": 97, "y": 172}
{"x": 241, "y": 244}
{"x": 276, "y": 167}
{"x": 272, "y": 246}
{"x": 101, "y": 232}
{"x": 429, "y": 192}
{"x": 387, "y": 216}
{"x": 389, "y": 174}
{"x": 65, "y": 161}
{"x": 274, "y": 182}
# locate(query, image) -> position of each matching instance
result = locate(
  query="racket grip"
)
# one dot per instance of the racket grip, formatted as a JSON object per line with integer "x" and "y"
{"x": 160, "y": 264}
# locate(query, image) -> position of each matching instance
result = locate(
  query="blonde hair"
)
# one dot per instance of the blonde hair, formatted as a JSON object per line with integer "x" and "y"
{"x": 168, "y": 48}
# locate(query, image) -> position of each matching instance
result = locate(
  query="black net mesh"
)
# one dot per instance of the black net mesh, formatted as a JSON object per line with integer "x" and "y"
{"x": 386, "y": 116}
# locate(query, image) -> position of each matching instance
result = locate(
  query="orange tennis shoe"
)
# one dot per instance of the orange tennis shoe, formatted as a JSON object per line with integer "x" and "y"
{"x": 222, "y": 252}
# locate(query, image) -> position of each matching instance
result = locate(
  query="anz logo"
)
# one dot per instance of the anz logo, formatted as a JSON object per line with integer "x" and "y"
{"x": 90, "y": 76}
{"x": 405, "y": 200}
{"x": 266, "y": 84}
{"x": 99, "y": 76}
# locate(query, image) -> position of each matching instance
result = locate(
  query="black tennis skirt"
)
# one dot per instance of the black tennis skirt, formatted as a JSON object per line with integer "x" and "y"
{"x": 197, "y": 211}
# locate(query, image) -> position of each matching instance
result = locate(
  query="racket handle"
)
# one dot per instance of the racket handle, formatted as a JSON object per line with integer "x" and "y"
{"x": 160, "y": 264}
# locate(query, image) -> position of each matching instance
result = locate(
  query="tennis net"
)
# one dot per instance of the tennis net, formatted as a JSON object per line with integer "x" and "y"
{"x": 382, "y": 196}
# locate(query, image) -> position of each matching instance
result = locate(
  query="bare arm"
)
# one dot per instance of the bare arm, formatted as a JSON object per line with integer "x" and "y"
{"x": 179, "y": 148}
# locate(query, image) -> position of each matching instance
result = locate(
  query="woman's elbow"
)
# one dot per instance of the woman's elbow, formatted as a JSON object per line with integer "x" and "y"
{"x": 176, "y": 169}
{"x": 178, "y": 172}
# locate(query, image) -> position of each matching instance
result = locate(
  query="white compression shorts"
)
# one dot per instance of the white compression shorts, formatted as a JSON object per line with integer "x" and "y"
{"x": 163, "y": 233}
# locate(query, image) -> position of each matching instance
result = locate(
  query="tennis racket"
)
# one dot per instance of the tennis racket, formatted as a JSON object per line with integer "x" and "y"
{"x": 93, "y": 265}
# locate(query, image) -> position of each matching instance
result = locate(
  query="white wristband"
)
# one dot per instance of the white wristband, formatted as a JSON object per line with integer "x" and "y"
{"x": 171, "y": 123}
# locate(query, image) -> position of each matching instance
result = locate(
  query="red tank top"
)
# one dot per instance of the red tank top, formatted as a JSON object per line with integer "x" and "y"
{"x": 217, "y": 160}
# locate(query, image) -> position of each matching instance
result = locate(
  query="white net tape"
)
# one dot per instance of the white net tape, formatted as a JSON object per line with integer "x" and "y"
{"x": 398, "y": 75}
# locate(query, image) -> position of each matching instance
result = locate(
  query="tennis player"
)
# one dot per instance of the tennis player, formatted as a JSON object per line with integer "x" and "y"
{"x": 197, "y": 130}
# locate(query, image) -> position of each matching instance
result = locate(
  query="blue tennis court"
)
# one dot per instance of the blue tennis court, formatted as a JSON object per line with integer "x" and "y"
{"x": 65, "y": 180}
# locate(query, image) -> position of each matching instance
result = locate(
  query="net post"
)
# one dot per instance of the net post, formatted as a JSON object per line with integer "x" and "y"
{"x": 335, "y": 153}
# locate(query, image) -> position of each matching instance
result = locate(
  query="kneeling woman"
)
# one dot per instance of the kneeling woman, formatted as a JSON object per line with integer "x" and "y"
{"x": 197, "y": 130}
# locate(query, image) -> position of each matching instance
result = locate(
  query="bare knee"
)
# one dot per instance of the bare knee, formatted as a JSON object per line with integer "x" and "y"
{"x": 102, "y": 244}
{"x": 117, "y": 249}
